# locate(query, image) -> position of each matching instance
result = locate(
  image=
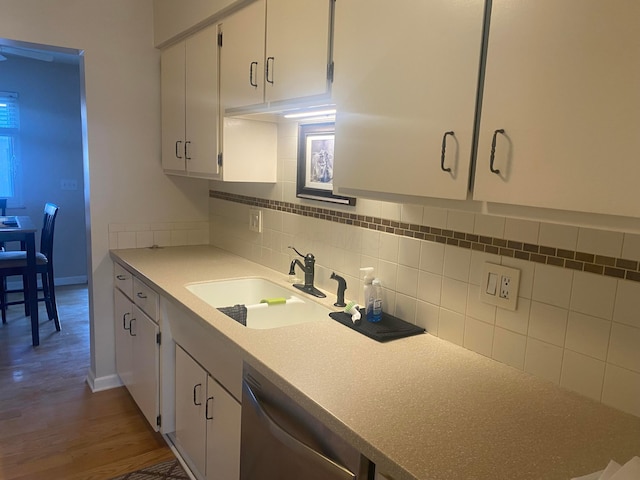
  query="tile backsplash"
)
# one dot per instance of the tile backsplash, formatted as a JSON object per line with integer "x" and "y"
{"x": 577, "y": 323}
{"x": 142, "y": 235}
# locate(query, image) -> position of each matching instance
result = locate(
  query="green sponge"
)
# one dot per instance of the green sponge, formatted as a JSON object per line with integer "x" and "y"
{"x": 274, "y": 301}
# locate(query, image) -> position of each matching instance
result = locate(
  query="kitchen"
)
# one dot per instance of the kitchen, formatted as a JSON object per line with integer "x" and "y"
{"x": 122, "y": 94}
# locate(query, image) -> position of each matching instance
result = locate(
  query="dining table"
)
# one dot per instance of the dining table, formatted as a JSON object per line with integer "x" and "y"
{"x": 22, "y": 229}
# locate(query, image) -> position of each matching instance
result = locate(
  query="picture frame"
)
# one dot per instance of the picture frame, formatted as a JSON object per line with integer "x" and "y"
{"x": 315, "y": 164}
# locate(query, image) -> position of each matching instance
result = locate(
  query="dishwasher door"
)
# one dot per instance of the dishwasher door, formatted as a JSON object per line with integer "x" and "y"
{"x": 280, "y": 441}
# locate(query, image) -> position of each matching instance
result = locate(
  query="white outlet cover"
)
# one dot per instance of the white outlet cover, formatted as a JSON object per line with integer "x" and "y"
{"x": 488, "y": 285}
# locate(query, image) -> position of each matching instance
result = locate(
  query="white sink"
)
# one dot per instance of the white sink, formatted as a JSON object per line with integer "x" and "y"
{"x": 250, "y": 292}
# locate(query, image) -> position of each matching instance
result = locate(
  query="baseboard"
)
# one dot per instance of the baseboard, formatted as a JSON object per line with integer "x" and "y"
{"x": 58, "y": 281}
{"x": 98, "y": 384}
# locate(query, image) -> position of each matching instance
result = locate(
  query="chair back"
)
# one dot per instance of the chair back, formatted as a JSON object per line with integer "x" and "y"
{"x": 46, "y": 237}
{"x": 3, "y": 207}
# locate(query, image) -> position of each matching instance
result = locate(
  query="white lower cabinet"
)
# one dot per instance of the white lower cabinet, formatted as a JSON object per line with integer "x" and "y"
{"x": 207, "y": 422}
{"x": 138, "y": 355}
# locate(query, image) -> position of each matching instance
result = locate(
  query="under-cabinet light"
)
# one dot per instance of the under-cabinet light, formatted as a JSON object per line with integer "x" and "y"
{"x": 311, "y": 113}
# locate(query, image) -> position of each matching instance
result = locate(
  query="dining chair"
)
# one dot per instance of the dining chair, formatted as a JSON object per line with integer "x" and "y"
{"x": 3, "y": 213}
{"x": 15, "y": 263}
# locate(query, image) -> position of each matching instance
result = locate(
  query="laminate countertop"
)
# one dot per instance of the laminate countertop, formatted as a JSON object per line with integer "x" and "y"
{"x": 419, "y": 407}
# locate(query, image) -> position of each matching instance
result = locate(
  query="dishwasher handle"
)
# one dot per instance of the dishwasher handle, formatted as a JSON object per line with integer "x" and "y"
{"x": 295, "y": 445}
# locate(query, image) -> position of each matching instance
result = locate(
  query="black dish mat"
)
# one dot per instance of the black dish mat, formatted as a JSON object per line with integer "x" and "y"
{"x": 389, "y": 328}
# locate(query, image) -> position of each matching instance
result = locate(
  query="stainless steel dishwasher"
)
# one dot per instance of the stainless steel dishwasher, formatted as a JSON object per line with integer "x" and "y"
{"x": 281, "y": 441}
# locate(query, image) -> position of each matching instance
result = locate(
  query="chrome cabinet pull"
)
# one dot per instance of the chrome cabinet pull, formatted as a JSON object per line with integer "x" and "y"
{"x": 270, "y": 80}
{"x": 493, "y": 151}
{"x": 131, "y": 327}
{"x": 251, "y": 82}
{"x": 195, "y": 387}
{"x": 206, "y": 409}
{"x": 177, "y": 149}
{"x": 124, "y": 321}
{"x": 444, "y": 147}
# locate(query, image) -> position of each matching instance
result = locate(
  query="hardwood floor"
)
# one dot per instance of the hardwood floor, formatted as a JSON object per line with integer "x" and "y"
{"x": 51, "y": 425}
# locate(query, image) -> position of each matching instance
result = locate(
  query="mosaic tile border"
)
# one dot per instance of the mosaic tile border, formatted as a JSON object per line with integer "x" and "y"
{"x": 574, "y": 260}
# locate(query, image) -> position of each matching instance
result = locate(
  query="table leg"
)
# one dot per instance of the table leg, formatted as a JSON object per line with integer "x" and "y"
{"x": 32, "y": 283}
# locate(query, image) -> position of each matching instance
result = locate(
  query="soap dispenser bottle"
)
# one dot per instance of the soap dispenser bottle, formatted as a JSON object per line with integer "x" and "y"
{"x": 372, "y": 292}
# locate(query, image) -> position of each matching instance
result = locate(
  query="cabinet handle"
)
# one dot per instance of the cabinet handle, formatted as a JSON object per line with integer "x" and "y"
{"x": 493, "y": 151}
{"x": 251, "y": 82}
{"x": 131, "y": 327}
{"x": 124, "y": 321}
{"x": 121, "y": 277}
{"x": 444, "y": 147}
{"x": 195, "y": 396}
{"x": 186, "y": 150}
{"x": 177, "y": 149}
{"x": 270, "y": 80}
{"x": 141, "y": 295}
{"x": 206, "y": 409}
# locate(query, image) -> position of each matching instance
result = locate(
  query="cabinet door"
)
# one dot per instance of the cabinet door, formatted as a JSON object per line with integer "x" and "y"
{"x": 191, "y": 394}
{"x": 172, "y": 86}
{"x": 398, "y": 92}
{"x": 562, "y": 82}
{"x": 145, "y": 387}
{"x": 242, "y": 57}
{"x": 123, "y": 314}
{"x": 201, "y": 148}
{"x": 298, "y": 48}
{"x": 223, "y": 433}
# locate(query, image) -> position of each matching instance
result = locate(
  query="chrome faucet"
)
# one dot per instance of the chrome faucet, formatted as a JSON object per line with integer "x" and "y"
{"x": 309, "y": 272}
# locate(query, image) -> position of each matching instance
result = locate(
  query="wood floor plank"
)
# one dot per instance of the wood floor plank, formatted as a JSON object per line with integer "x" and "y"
{"x": 51, "y": 425}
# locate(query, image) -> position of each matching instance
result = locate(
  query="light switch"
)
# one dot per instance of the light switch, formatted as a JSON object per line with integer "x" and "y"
{"x": 492, "y": 284}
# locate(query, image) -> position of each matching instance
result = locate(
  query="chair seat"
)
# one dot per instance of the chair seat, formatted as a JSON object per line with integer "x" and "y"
{"x": 19, "y": 259}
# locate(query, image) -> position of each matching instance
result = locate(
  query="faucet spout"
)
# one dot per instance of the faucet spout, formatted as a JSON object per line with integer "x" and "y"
{"x": 309, "y": 272}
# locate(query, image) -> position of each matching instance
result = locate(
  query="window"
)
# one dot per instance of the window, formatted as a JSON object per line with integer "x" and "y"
{"x": 10, "y": 185}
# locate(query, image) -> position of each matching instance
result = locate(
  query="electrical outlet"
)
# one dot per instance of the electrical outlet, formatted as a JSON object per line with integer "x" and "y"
{"x": 500, "y": 286}
{"x": 255, "y": 220}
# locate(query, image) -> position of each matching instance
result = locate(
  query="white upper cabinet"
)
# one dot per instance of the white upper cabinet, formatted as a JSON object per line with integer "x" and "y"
{"x": 405, "y": 75}
{"x": 190, "y": 108}
{"x": 275, "y": 51}
{"x": 563, "y": 83}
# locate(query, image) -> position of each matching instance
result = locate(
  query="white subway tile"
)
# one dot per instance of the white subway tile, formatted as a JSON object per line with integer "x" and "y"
{"x": 409, "y": 252}
{"x": 478, "y": 309}
{"x": 624, "y": 347}
{"x": 389, "y": 245}
{"x": 582, "y": 374}
{"x": 113, "y": 240}
{"x": 451, "y": 326}
{"x": 489, "y": 225}
{"x": 509, "y": 347}
{"x": 371, "y": 243}
{"x": 558, "y": 236}
{"x": 407, "y": 282}
{"x": 516, "y": 321}
{"x": 521, "y": 230}
{"x": 454, "y": 295}
{"x": 162, "y": 238}
{"x": 627, "y": 304}
{"x": 478, "y": 336}
{"x": 429, "y": 287}
{"x": 460, "y": 221}
{"x": 179, "y": 237}
{"x": 548, "y": 323}
{"x": 405, "y": 308}
{"x": 412, "y": 214}
{"x": 391, "y": 211}
{"x": 622, "y": 389}
{"x": 478, "y": 259}
{"x": 434, "y": 217}
{"x": 387, "y": 272}
{"x": 427, "y": 316}
{"x": 631, "y": 246}
{"x": 552, "y": 285}
{"x": 543, "y": 360}
{"x": 593, "y": 294}
{"x": 600, "y": 242}
{"x": 127, "y": 240}
{"x": 457, "y": 262}
{"x": 432, "y": 257}
{"x": 588, "y": 335}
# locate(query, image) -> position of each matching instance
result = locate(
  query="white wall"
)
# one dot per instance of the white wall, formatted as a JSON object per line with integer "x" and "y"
{"x": 51, "y": 150}
{"x": 123, "y": 180}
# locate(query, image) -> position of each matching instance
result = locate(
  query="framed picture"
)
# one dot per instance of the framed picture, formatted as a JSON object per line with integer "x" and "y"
{"x": 315, "y": 164}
